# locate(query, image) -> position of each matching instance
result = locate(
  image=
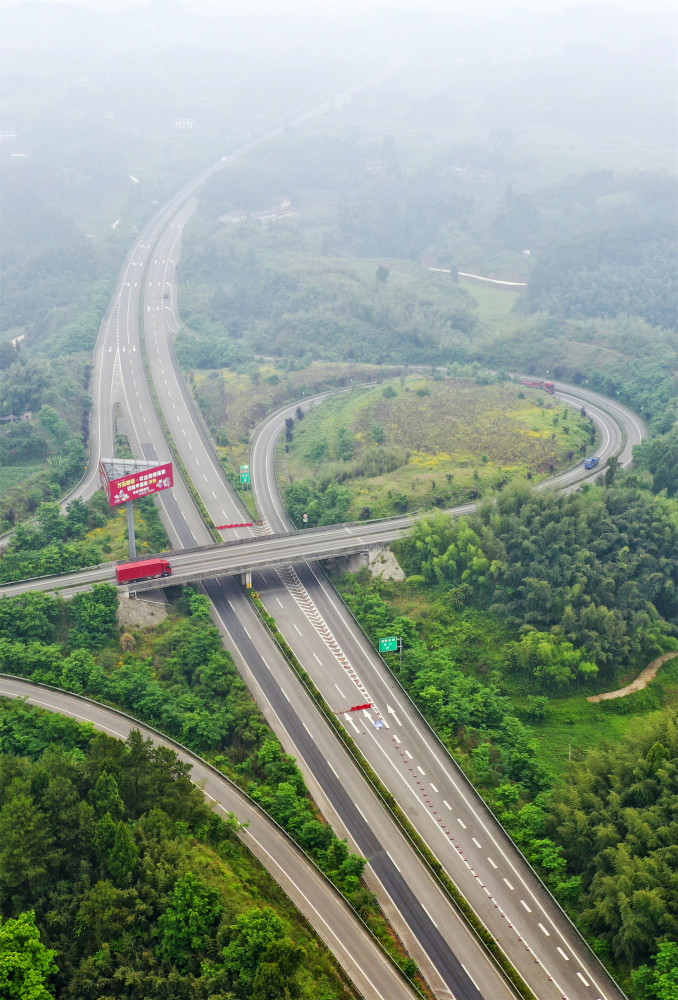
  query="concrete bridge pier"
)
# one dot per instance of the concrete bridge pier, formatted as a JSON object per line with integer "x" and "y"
{"x": 246, "y": 579}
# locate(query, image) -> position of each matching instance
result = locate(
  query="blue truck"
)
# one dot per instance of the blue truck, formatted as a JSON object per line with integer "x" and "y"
{"x": 591, "y": 463}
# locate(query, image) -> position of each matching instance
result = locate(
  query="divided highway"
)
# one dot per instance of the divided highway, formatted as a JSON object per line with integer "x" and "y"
{"x": 410, "y": 761}
{"x": 454, "y": 821}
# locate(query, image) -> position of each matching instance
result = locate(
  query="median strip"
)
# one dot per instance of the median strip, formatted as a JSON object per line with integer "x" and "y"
{"x": 510, "y": 973}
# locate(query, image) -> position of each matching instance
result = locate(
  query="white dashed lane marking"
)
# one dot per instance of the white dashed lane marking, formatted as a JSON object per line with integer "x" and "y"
{"x": 461, "y": 823}
{"x": 433, "y": 786}
{"x": 523, "y": 903}
{"x": 447, "y": 803}
{"x": 547, "y": 933}
{"x": 508, "y": 884}
{"x": 584, "y": 981}
{"x": 492, "y": 862}
{"x": 475, "y": 841}
{"x": 428, "y": 915}
{"x": 563, "y": 954}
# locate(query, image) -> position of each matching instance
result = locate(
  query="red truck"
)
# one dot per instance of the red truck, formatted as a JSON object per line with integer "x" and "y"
{"x": 145, "y": 569}
{"x": 539, "y": 383}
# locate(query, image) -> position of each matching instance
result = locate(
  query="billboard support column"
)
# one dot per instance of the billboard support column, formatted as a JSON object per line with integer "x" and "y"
{"x": 130, "y": 530}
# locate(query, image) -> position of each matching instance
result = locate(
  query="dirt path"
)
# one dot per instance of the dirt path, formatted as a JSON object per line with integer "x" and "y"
{"x": 641, "y": 681}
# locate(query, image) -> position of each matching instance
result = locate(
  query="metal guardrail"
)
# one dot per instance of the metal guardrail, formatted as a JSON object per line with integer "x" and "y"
{"x": 234, "y": 788}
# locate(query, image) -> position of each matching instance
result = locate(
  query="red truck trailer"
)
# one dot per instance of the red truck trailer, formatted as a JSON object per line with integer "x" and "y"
{"x": 145, "y": 569}
{"x": 539, "y": 383}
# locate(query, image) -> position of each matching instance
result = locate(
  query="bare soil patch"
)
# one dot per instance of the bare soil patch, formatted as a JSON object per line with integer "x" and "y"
{"x": 641, "y": 681}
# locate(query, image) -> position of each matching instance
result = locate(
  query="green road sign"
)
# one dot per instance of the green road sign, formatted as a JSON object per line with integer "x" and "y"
{"x": 389, "y": 644}
{"x": 244, "y": 478}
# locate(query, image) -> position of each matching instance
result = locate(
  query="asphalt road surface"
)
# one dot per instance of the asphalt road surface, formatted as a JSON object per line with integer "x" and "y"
{"x": 409, "y": 760}
{"x": 335, "y": 922}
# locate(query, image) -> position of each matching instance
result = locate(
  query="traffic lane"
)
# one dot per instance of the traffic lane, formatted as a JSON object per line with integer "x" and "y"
{"x": 507, "y": 919}
{"x": 468, "y": 805}
{"x": 635, "y": 426}
{"x": 333, "y": 920}
{"x": 191, "y": 437}
{"x": 340, "y": 786}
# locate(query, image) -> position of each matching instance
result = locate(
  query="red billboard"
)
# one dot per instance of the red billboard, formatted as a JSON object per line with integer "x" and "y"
{"x": 137, "y": 484}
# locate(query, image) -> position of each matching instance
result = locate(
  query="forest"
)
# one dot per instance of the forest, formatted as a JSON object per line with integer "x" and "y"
{"x": 510, "y": 617}
{"x": 595, "y": 571}
{"x": 118, "y": 880}
{"x": 179, "y": 678}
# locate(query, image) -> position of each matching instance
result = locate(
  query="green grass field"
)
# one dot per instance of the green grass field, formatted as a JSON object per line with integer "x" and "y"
{"x": 436, "y": 442}
{"x": 14, "y": 475}
{"x": 574, "y": 726}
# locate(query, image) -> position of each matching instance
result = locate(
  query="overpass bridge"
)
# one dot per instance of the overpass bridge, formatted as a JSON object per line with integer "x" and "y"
{"x": 238, "y": 558}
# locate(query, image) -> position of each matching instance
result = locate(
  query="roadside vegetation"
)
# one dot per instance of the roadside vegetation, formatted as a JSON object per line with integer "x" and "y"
{"x": 422, "y": 442}
{"x": 85, "y": 535}
{"x": 509, "y": 618}
{"x": 179, "y": 678}
{"x": 114, "y": 870}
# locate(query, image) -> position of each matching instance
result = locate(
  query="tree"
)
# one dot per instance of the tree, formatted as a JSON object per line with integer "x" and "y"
{"x": 29, "y": 617}
{"x": 25, "y": 963}
{"x": 94, "y": 617}
{"x": 106, "y": 797}
{"x": 663, "y": 463}
{"x": 26, "y": 848}
{"x": 611, "y": 470}
{"x": 193, "y": 912}
{"x": 660, "y": 982}
{"x": 251, "y": 936}
{"x": 382, "y": 275}
{"x": 123, "y": 856}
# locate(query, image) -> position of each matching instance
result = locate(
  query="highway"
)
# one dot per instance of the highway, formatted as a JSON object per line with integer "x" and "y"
{"x": 450, "y": 816}
{"x": 620, "y": 430}
{"x": 364, "y": 961}
{"x": 447, "y": 952}
{"x": 409, "y": 760}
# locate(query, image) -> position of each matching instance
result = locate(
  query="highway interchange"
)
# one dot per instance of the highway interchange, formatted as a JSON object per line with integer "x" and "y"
{"x": 442, "y": 805}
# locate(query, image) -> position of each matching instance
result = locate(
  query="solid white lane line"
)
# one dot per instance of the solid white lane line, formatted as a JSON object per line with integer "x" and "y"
{"x": 469, "y": 975}
{"x": 523, "y": 903}
{"x": 508, "y": 884}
